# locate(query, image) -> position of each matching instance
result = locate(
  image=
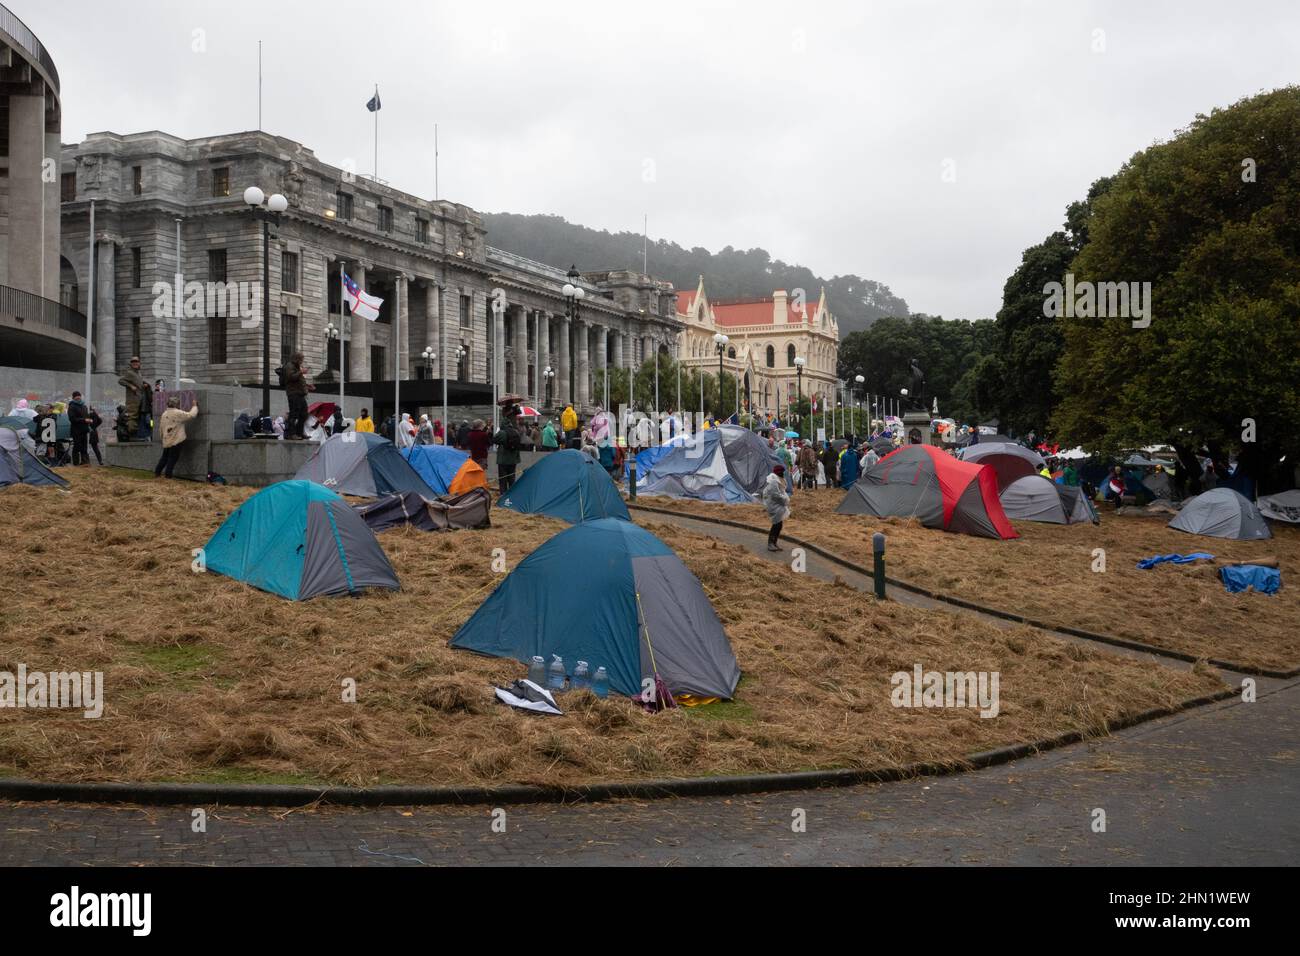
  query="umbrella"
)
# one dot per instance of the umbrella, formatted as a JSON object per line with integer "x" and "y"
{"x": 791, "y": 434}
{"x": 527, "y": 411}
{"x": 510, "y": 398}
{"x": 882, "y": 446}
{"x": 323, "y": 411}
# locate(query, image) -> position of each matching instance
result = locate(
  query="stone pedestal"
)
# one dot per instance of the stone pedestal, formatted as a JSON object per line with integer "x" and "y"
{"x": 916, "y": 429}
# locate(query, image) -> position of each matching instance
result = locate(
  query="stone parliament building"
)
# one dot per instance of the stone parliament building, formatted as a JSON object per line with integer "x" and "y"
{"x": 428, "y": 260}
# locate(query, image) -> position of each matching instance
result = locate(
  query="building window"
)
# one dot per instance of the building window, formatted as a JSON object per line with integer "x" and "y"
{"x": 421, "y": 230}
{"x": 466, "y": 308}
{"x": 135, "y": 336}
{"x": 135, "y": 273}
{"x": 216, "y": 340}
{"x": 731, "y": 353}
{"x": 68, "y": 187}
{"x": 378, "y": 372}
{"x": 137, "y": 180}
{"x": 343, "y": 205}
{"x": 289, "y": 271}
{"x": 385, "y": 219}
{"x": 221, "y": 182}
{"x": 288, "y": 336}
{"x": 771, "y": 357}
{"x": 216, "y": 265}
{"x": 789, "y": 356}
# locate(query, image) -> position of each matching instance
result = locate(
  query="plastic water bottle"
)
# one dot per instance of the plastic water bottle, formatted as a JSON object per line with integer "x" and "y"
{"x": 600, "y": 683}
{"x": 537, "y": 671}
{"x": 555, "y": 674}
{"x": 581, "y": 676}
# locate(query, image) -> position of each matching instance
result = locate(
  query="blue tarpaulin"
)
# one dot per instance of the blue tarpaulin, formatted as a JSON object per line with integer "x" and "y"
{"x": 1242, "y": 577}
{"x": 1148, "y": 563}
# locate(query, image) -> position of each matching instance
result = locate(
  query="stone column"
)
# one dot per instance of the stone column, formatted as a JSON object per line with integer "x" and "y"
{"x": 520, "y": 343}
{"x": 359, "y": 346}
{"x": 402, "y": 327}
{"x": 602, "y": 340}
{"x": 563, "y": 391}
{"x": 582, "y": 366}
{"x": 543, "y": 354}
{"x": 105, "y": 306}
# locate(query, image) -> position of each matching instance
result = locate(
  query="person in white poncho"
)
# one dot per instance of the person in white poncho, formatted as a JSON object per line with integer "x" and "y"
{"x": 777, "y": 503}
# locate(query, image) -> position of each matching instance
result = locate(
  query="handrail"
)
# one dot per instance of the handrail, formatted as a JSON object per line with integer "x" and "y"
{"x": 15, "y": 27}
{"x": 30, "y": 307}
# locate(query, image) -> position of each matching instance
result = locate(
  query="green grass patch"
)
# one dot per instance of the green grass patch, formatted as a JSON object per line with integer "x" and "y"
{"x": 723, "y": 710}
{"x": 178, "y": 660}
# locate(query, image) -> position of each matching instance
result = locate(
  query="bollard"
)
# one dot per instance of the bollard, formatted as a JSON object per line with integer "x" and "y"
{"x": 631, "y": 479}
{"x": 878, "y": 552}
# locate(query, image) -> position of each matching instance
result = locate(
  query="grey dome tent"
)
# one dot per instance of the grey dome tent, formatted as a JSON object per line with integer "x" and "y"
{"x": 1033, "y": 498}
{"x": 24, "y": 468}
{"x": 1078, "y": 507}
{"x": 1222, "y": 513}
{"x": 364, "y": 465}
{"x": 1284, "y": 506}
{"x": 1008, "y": 460}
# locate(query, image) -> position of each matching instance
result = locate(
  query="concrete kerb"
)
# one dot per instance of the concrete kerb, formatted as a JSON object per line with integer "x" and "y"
{"x": 250, "y": 795}
{"x": 981, "y": 609}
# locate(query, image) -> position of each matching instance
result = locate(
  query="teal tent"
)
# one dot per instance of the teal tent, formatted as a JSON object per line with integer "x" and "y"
{"x": 299, "y": 540}
{"x": 639, "y": 613}
{"x": 569, "y": 485}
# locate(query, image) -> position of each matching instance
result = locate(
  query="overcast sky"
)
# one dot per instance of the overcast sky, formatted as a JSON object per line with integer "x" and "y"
{"x": 819, "y": 131}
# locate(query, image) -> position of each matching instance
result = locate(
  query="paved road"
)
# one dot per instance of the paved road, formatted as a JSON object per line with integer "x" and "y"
{"x": 1218, "y": 785}
{"x": 1214, "y": 786}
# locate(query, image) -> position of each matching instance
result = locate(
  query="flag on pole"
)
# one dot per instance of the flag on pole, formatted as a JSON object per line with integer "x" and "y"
{"x": 360, "y": 303}
{"x": 373, "y": 103}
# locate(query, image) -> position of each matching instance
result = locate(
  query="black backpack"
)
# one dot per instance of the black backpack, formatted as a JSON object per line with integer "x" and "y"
{"x": 279, "y": 374}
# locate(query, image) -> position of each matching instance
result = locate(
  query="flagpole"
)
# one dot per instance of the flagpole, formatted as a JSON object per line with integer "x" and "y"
{"x": 436, "y": 194}
{"x": 397, "y": 361}
{"x": 442, "y": 351}
{"x": 343, "y": 348}
{"x": 376, "y": 132}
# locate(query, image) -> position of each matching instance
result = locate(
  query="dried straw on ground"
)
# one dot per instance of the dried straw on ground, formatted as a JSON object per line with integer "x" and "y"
{"x": 1047, "y": 574}
{"x": 207, "y": 679}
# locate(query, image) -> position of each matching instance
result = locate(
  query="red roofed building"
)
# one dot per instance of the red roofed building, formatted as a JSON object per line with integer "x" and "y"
{"x": 765, "y": 336}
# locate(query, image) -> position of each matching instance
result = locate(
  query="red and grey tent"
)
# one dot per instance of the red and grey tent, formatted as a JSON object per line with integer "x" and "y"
{"x": 922, "y": 482}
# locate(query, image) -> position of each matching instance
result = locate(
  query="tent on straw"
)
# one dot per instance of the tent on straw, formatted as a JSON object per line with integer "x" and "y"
{"x": 1035, "y": 498}
{"x": 448, "y": 471}
{"x": 727, "y": 463}
{"x": 471, "y": 509}
{"x": 920, "y": 481}
{"x": 1284, "y": 506}
{"x": 1008, "y": 460}
{"x": 569, "y": 485}
{"x": 1159, "y": 485}
{"x": 1222, "y": 513}
{"x": 24, "y": 468}
{"x": 642, "y": 613}
{"x": 645, "y": 460}
{"x": 362, "y": 464}
{"x": 299, "y": 540}
{"x": 1078, "y": 506}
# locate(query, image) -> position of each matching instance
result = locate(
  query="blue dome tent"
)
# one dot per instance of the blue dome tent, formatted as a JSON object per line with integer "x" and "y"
{"x": 299, "y": 540}
{"x": 569, "y": 485}
{"x": 362, "y": 464}
{"x": 642, "y": 613}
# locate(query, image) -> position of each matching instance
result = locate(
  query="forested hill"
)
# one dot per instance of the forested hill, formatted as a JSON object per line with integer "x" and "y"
{"x": 728, "y": 274}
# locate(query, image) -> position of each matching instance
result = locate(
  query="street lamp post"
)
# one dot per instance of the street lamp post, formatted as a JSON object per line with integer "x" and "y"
{"x": 548, "y": 376}
{"x": 799, "y": 363}
{"x": 573, "y": 295}
{"x": 267, "y": 211}
{"x": 857, "y": 422}
{"x": 720, "y": 343}
{"x": 333, "y": 331}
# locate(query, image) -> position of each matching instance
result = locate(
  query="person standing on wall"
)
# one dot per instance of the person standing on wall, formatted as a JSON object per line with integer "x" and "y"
{"x": 296, "y": 388}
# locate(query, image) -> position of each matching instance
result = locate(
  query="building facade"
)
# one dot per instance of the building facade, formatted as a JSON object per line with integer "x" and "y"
{"x": 490, "y": 317}
{"x": 33, "y": 323}
{"x": 766, "y": 336}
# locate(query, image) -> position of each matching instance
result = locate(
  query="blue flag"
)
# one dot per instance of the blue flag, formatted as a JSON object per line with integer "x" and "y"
{"x": 373, "y": 105}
